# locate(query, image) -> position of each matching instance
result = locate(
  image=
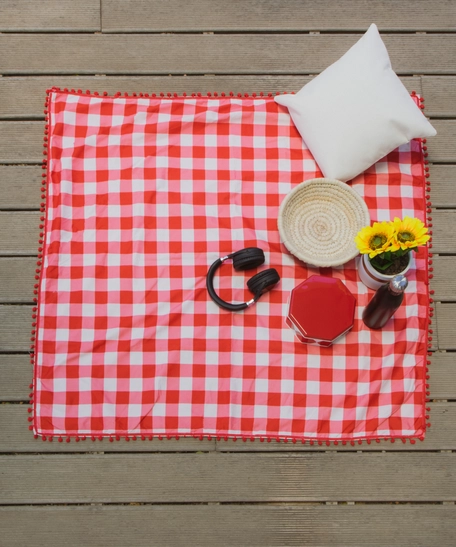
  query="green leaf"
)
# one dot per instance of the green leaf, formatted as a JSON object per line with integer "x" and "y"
{"x": 380, "y": 262}
{"x": 383, "y": 267}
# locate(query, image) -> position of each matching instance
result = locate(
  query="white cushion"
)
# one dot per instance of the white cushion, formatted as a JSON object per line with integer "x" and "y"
{"x": 356, "y": 111}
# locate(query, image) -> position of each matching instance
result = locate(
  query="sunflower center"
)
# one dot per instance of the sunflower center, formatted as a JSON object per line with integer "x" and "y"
{"x": 377, "y": 241}
{"x": 405, "y": 236}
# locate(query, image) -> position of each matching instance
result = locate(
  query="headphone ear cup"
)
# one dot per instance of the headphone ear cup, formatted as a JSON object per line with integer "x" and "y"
{"x": 263, "y": 281}
{"x": 248, "y": 258}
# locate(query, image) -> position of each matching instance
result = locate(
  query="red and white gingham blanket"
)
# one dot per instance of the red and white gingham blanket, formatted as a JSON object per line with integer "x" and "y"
{"x": 143, "y": 194}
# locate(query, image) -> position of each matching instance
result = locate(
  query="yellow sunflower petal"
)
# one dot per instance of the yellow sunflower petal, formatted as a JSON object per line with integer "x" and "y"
{"x": 409, "y": 233}
{"x": 375, "y": 239}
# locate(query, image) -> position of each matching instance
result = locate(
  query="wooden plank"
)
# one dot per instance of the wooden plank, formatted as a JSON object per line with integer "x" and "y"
{"x": 224, "y": 477}
{"x": 434, "y": 336}
{"x": 16, "y": 437}
{"x": 15, "y": 320}
{"x": 443, "y": 179}
{"x": 440, "y": 95}
{"x": 211, "y": 53}
{"x": 16, "y": 373}
{"x": 20, "y": 186}
{"x": 444, "y": 281}
{"x": 231, "y": 525}
{"x": 51, "y": 15}
{"x": 444, "y": 226}
{"x": 292, "y": 15}
{"x": 23, "y": 97}
{"x": 446, "y": 325}
{"x": 443, "y": 376}
{"x": 442, "y": 418}
{"x": 22, "y": 142}
{"x": 17, "y": 277}
{"x": 21, "y": 231}
{"x": 442, "y": 147}
{"x": 15, "y": 327}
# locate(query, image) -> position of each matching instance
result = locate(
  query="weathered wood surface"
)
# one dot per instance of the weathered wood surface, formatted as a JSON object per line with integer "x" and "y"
{"x": 16, "y": 374}
{"x": 15, "y": 326}
{"x": 438, "y": 437}
{"x": 22, "y": 142}
{"x": 439, "y": 94}
{"x": 211, "y": 53}
{"x": 23, "y": 97}
{"x": 21, "y": 231}
{"x": 17, "y": 229}
{"x": 446, "y": 325}
{"x": 206, "y": 525}
{"x": 17, "y": 277}
{"x": 294, "y": 15}
{"x": 441, "y": 148}
{"x": 225, "y": 477}
{"x": 20, "y": 186}
{"x": 443, "y": 179}
{"x": 444, "y": 281}
{"x": 270, "y": 493}
{"x": 49, "y": 15}
{"x": 17, "y": 438}
{"x": 444, "y": 222}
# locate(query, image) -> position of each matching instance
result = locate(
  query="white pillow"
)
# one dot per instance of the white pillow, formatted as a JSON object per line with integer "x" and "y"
{"x": 356, "y": 111}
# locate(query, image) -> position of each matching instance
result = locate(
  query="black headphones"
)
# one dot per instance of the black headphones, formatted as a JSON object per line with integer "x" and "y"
{"x": 248, "y": 258}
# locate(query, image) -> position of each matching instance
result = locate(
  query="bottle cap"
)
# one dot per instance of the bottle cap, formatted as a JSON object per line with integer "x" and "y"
{"x": 398, "y": 284}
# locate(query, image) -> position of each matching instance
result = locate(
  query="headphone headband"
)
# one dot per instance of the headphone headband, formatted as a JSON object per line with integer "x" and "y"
{"x": 245, "y": 259}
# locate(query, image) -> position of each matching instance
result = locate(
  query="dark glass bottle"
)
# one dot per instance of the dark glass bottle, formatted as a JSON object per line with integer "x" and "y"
{"x": 385, "y": 302}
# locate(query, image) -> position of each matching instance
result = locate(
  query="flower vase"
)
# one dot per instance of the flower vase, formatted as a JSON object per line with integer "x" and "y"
{"x": 372, "y": 278}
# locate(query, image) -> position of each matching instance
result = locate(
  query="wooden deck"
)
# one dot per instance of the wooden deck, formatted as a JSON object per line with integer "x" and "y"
{"x": 208, "y": 493}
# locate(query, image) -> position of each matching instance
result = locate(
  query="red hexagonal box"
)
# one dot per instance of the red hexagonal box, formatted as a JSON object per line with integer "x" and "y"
{"x": 321, "y": 309}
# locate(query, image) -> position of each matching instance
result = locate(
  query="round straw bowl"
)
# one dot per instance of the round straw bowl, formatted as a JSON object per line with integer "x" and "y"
{"x": 319, "y": 219}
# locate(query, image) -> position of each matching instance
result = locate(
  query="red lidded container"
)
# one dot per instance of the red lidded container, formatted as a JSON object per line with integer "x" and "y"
{"x": 321, "y": 309}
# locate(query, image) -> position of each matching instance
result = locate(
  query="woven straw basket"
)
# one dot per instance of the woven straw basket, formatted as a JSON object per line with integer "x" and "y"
{"x": 319, "y": 219}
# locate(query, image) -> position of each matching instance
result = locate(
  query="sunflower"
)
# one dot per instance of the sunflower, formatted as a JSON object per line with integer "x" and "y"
{"x": 408, "y": 233}
{"x": 375, "y": 239}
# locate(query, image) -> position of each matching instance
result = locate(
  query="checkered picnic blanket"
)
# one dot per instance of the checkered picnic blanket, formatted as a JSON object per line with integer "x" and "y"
{"x": 143, "y": 194}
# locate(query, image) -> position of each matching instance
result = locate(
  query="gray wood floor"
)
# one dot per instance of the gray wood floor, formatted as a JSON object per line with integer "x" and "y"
{"x": 208, "y": 493}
